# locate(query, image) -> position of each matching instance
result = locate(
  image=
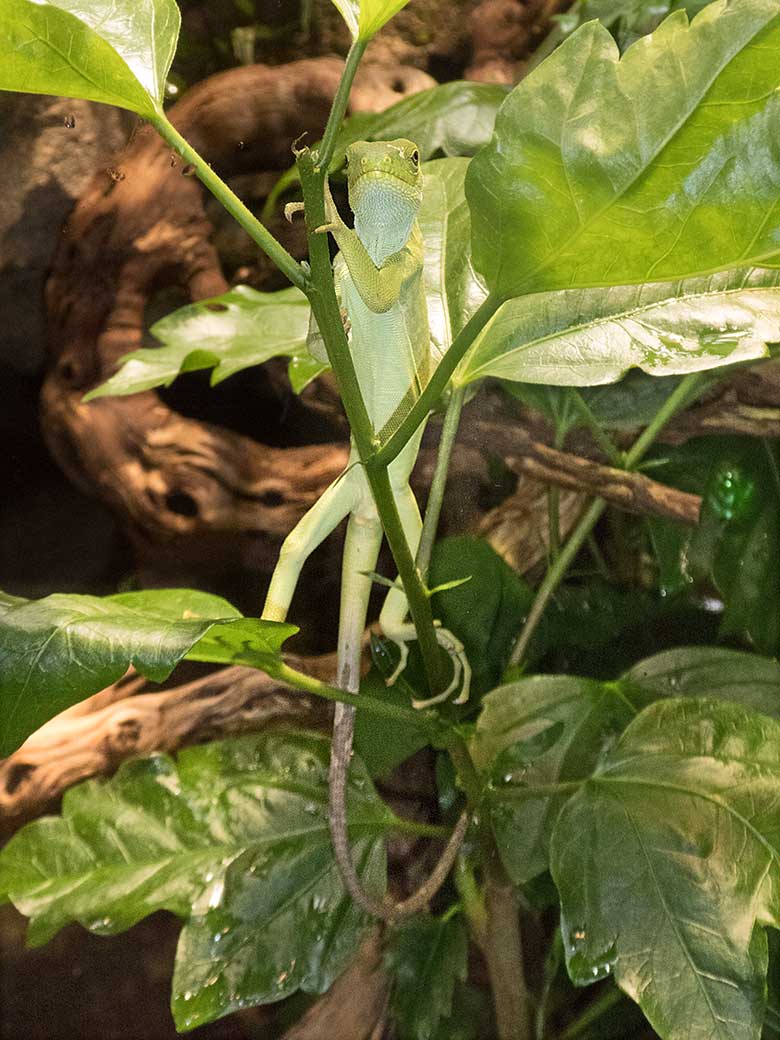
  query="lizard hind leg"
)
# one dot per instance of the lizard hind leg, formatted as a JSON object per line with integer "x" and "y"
{"x": 396, "y": 628}
{"x": 310, "y": 531}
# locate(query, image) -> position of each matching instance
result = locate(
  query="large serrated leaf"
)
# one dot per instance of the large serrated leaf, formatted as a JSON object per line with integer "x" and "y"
{"x": 233, "y": 838}
{"x": 58, "y": 650}
{"x": 594, "y": 336}
{"x": 244, "y": 327}
{"x": 660, "y": 165}
{"x": 589, "y": 715}
{"x": 666, "y": 861}
{"x": 426, "y": 956}
{"x": 117, "y": 52}
{"x": 227, "y": 333}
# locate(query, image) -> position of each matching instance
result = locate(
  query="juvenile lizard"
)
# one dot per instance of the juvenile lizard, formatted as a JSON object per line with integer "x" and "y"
{"x": 379, "y": 280}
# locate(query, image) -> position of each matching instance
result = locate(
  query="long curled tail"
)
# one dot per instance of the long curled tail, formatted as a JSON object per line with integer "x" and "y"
{"x": 387, "y": 910}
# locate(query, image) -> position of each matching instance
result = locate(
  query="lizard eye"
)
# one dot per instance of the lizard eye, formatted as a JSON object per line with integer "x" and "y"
{"x": 415, "y": 158}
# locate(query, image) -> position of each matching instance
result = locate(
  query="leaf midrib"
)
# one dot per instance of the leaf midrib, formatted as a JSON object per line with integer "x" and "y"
{"x": 619, "y": 316}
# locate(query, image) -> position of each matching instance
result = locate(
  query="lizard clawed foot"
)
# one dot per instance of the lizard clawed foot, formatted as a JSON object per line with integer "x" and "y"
{"x": 461, "y": 669}
{"x": 323, "y": 229}
{"x": 291, "y": 209}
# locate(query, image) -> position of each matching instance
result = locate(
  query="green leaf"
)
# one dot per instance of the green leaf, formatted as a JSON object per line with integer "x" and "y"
{"x": 383, "y": 743}
{"x": 550, "y": 730}
{"x": 365, "y": 18}
{"x": 453, "y": 289}
{"x": 58, "y": 650}
{"x": 118, "y": 52}
{"x": 227, "y": 333}
{"x": 627, "y": 19}
{"x": 425, "y": 957}
{"x": 668, "y": 858}
{"x": 244, "y": 327}
{"x": 484, "y": 613}
{"x": 233, "y": 838}
{"x": 585, "y": 714}
{"x": 594, "y": 336}
{"x": 452, "y": 119}
{"x": 709, "y": 671}
{"x": 660, "y": 165}
{"x": 735, "y": 543}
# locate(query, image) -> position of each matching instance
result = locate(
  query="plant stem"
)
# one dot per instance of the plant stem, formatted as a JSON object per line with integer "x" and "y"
{"x": 383, "y": 709}
{"x": 464, "y": 767}
{"x": 521, "y": 793}
{"x": 436, "y": 496}
{"x": 504, "y": 956}
{"x": 684, "y": 393}
{"x": 600, "y": 436}
{"x": 591, "y": 1014}
{"x": 339, "y": 107}
{"x": 232, "y": 203}
{"x": 553, "y": 522}
{"x": 322, "y": 297}
{"x": 417, "y": 829}
{"x": 471, "y": 899}
{"x": 438, "y": 381}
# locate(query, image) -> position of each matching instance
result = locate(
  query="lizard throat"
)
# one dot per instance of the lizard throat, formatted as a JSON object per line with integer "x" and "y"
{"x": 383, "y": 217}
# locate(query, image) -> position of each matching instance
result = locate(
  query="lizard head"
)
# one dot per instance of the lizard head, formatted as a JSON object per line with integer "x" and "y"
{"x": 385, "y": 184}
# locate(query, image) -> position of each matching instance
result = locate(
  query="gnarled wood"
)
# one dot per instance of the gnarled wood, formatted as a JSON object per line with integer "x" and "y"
{"x": 180, "y": 486}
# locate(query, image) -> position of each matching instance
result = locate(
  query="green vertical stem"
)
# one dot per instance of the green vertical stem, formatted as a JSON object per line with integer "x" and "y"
{"x": 439, "y": 381}
{"x": 339, "y": 107}
{"x": 687, "y": 390}
{"x": 232, "y": 203}
{"x": 594, "y": 1011}
{"x": 600, "y": 436}
{"x": 449, "y": 432}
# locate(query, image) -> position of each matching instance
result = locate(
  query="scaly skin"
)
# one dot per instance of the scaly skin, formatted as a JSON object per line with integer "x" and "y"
{"x": 379, "y": 280}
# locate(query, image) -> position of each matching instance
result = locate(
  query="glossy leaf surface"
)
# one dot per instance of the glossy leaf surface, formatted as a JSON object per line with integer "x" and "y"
{"x": 583, "y": 714}
{"x": 425, "y": 957}
{"x": 233, "y": 838}
{"x": 734, "y": 546}
{"x": 660, "y": 165}
{"x": 58, "y": 650}
{"x": 228, "y": 333}
{"x": 668, "y": 858}
{"x": 454, "y": 119}
{"x": 118, "y": 52}
{"x": 595, "y": 336}
{"x": 453, "y": 289}
{"x": 243, "y": 327}
{"x": 518, "y": 717}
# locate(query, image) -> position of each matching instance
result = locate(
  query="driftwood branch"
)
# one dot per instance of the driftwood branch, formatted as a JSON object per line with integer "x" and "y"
{"x": 126, "y": 720}
{"x": 185, "y": 489}
{"x": 632, "y": 492}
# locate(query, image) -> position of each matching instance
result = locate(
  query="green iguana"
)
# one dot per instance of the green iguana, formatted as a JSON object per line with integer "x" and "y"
{"x": 379, "y": 281}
